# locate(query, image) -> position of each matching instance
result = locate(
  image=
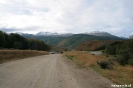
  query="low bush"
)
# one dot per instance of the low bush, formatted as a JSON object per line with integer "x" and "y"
{"x": 131, "y": 62}
{"x": 121, "y": 60}
{"x": 70, "y": 57}
{"x": 124, "y": 60}
{"x": 105, "y": 64}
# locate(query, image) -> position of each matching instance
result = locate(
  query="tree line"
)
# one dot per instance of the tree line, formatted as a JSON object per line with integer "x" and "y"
{"x": 16, "y": 41}
{"x": 122, "y": 50}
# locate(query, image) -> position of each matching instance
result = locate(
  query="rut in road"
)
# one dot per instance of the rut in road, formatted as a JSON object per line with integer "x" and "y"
{"x": 49, "y": 71}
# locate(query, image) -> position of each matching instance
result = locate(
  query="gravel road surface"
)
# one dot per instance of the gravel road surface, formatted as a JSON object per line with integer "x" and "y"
{"x": 49, "y": 71}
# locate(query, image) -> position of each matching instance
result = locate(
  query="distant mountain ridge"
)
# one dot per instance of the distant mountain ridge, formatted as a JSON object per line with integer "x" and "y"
{"x": 53, "y": 34}
{"x": 46, "y": 34}
{"x": 73, "y": 41}
{"x": 97, "y": 33}
{"x": 69, "y": 40}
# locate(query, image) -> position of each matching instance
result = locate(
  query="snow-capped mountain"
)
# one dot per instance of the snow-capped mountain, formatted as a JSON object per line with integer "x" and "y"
{"x": 97, "y": 33}
{"x": 46, "y": 33}
{"x": 53, "y": 34}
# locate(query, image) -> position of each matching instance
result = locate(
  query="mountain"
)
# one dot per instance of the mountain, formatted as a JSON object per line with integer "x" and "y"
{"x": 69, "y": 40}
{"x": 97, "y": 33}
{"x": 94, "y": 45}
{"x": 48, "y": 37}
{"x": 45, "y": 33}
{"x": 73, "y": 41}
{"x": 51, "y": 40}
{"x": 53, "y": 34}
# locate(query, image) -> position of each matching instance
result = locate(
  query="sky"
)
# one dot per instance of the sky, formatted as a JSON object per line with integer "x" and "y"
{"x": 67, "y": 16}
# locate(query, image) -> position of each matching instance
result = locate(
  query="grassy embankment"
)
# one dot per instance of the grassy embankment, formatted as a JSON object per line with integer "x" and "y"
{"x": 118, "y": 74}
{"x": 10, "y": 55}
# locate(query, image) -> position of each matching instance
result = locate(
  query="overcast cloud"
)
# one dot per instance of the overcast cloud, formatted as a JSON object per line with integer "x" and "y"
{"x": 74, "y": 16}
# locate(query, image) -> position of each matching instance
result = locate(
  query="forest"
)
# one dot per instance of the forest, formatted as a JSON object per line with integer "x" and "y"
{"x": 122, "y": 50}
{"x": 16, "y": 41}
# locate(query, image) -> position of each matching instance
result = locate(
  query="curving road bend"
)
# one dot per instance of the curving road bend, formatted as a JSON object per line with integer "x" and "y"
{"x": 49, "y": 71}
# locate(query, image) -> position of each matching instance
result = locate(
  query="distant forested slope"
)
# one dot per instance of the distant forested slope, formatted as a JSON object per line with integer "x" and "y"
{"x": 71, "y": 42}
{"x": 94, "y": 45}
{"x": 75, "y": 40}
{"x": 51, "y": 40}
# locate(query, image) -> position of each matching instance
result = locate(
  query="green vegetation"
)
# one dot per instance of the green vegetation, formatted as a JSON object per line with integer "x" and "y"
{"x": 15, "y": 41}
{"x": 51, "y": 40}
{"x": 103, "y": 65}
{"x": 70, "y": 57}
{"x": 94, "y": 45}
{"x": 77, "y": 39}
{"x": 71, "y": 42}
{"x": 123, "y": 51}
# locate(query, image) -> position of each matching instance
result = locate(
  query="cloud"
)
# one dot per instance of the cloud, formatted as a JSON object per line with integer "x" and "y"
{"x": 8, "y": 29}
{"x": 77, "y": 16}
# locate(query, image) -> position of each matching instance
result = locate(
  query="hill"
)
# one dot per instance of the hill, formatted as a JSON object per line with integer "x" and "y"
{"x": 50, "y": 40}
{"x": 71, "y": 41}
{"x": 94, "y": 45}
{"x": 53, "y": 34}
{"x": 77, "y": 39}
{"x": 97, "y": 33}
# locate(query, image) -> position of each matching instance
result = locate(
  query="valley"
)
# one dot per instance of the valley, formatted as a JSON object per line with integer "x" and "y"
{"x": 71, "y": 41}
{"x": 108, "y": 55}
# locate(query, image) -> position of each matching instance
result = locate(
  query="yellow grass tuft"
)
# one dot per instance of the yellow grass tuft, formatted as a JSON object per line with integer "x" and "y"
{"x": 85, "y": 57}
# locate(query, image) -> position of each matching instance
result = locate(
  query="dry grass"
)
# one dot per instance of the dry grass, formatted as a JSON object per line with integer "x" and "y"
{"x": 85, "y": 57}
{"x": 9, "y": 55}
{"x": 119, "y": 74}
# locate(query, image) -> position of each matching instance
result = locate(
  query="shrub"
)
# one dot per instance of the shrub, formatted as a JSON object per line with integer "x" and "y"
{"x": 131, "y": 62}
{"x": 70, "y": 57}
{"x": 61, "y": 52}
{"x": 105, "y": 64}
{"x": 107, "y": 56}
{"x": 110, "y": 50}
{"x": 103, "y": 51}
{"x": 121, "y": 60}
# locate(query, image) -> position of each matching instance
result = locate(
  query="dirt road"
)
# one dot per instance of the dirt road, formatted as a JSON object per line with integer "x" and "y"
{"x": 49, "y": 71}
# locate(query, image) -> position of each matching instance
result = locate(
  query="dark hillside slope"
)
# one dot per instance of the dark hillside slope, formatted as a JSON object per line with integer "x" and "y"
{"x": 94, "y": 45}
{"x": 74, "y": 40}
{"x": 51, "y": 40}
